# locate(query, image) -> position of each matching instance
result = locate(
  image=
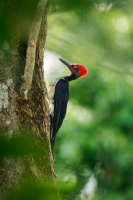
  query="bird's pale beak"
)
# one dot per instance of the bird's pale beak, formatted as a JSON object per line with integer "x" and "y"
{"x": 64, "y": 62}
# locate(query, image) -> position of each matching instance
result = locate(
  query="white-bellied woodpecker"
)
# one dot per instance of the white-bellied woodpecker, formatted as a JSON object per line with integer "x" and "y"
{"x": 58, "y": 94}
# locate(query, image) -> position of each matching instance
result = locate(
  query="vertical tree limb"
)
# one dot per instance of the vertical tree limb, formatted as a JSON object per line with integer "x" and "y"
{"x": 31, "y": 49}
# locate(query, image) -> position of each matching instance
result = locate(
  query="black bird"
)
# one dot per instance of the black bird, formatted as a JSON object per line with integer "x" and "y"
{"x": 58, "y": 95}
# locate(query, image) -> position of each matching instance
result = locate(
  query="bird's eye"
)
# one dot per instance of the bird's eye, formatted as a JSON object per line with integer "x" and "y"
{"x": 75, "y": 67}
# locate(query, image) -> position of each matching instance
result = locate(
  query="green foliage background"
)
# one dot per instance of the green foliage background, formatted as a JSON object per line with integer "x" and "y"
{"x": 97, "y": 135}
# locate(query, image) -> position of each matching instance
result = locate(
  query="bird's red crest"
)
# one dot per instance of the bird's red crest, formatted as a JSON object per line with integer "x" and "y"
{"x": 83, "y": 70}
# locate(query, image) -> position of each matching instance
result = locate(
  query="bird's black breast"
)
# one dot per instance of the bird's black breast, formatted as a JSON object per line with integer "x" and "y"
{"x": 61, "y": 91}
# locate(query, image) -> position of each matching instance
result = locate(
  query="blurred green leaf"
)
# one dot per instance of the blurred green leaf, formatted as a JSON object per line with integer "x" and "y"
{"x": 96, "y": 136}
{"x": 36, "y": 191}
{"x": 19, "y": 145}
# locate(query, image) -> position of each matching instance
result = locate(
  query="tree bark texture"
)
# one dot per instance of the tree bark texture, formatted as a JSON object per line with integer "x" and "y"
{"x": 17, "y": 115}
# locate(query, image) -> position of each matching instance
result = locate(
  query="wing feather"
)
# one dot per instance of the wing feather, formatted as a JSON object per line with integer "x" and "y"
{"x": 58, "y": 98}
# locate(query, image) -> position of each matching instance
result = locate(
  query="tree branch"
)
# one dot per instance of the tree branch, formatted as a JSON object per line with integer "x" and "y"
{"x": 31, "y": 50}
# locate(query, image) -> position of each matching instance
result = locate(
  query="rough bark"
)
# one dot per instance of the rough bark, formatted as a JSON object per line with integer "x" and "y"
{"x": 17, "y": 115}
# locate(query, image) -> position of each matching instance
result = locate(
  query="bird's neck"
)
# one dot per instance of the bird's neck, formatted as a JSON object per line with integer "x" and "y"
{"x": 70, "y": 77}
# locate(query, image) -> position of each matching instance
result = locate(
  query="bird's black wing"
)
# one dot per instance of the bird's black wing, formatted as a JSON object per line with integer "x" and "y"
{"x": 61, "y": 96}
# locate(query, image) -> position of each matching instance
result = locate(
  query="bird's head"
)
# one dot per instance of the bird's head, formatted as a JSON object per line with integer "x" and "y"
{"x": 77, "y": 69}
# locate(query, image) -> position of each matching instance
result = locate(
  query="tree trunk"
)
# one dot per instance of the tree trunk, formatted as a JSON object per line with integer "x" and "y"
{"x": 19, "y": 115}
